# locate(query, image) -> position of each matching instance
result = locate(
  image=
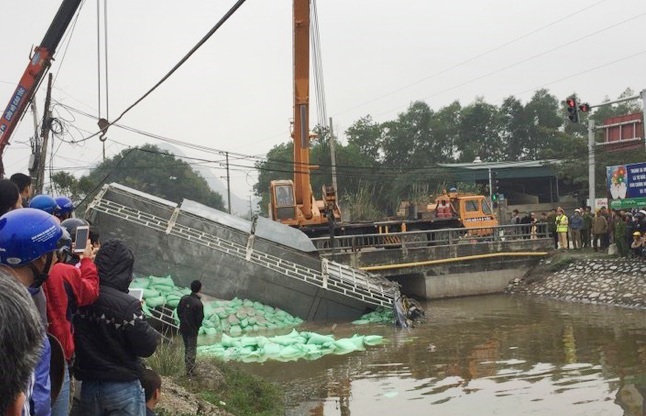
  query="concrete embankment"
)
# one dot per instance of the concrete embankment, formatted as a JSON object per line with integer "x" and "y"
{"x": 586, "y": 277}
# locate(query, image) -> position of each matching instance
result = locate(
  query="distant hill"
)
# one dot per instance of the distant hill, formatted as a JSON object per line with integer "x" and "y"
{"x": 239, "y": 205}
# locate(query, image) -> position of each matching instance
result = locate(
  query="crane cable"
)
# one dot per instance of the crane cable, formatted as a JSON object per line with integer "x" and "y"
{"x": 104, "y": 123}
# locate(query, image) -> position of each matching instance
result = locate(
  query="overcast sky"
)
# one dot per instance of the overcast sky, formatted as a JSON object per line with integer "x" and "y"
{"x": 235, "y": 93}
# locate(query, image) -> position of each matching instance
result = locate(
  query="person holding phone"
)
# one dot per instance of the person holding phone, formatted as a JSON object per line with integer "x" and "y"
{"x": 68, "y": 288}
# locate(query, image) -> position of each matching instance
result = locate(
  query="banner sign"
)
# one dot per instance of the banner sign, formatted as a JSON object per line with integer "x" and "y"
{"x": 626, "y": 185}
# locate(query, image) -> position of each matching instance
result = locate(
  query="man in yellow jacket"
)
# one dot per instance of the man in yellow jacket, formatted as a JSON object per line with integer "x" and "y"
{"x": 562, "y": 227}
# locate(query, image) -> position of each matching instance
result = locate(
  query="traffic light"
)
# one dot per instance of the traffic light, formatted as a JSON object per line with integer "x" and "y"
{"x": 573, "y": 113}
{"x": 584, "y": 108}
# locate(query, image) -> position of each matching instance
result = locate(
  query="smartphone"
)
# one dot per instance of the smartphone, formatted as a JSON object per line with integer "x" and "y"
{"x": 82, "y": 235}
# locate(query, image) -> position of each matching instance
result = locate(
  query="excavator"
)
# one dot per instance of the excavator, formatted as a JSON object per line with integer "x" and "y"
{"x": 292, "y": 202}
{"x": 38, "y": 66}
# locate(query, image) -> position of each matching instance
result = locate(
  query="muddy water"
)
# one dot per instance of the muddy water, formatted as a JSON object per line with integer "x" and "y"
{"x": 495, "y": 355}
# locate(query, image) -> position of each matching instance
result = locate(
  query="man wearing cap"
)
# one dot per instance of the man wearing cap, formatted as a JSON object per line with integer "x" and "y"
{"x": 562, "y": 228}
{"x": 576, "y": 223}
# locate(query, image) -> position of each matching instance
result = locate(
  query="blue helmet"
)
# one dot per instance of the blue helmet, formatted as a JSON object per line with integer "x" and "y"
{"x": 27, "y": 234}
{"x": 65, "y": 205}
{"x": 44, "y": 203}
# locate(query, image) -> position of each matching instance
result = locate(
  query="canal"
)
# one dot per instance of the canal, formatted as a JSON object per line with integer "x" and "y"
{"x": 491, "y": 355}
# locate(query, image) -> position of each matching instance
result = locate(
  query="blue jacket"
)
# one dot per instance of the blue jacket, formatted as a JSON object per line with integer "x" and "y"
{"x": 40, "y": 402}
{"x": 576, "y": 222}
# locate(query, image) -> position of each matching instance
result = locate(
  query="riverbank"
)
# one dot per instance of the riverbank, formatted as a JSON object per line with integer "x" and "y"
{"x": 586, "y": 276}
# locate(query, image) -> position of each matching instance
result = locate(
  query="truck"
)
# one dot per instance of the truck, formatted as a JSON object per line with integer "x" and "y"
{"x": 472, "y": 211}
{"x": 38, "y": 66}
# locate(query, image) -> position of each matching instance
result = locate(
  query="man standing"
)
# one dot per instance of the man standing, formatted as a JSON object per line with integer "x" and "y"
{"x": 190, "y": 312}
{"x": 562, "y": 228}
{"x": 576, "y": 223}
{"x": 25, "y": 187}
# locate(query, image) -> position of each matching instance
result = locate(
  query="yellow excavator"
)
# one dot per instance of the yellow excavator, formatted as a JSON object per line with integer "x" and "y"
{"x": 293, "y": 202}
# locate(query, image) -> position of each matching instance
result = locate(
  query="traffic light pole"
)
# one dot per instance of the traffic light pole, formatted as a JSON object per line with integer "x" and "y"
{"x": 591, "y": 164}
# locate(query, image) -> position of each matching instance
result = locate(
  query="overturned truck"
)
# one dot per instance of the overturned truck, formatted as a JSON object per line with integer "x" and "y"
{"x": 260, "y": 259}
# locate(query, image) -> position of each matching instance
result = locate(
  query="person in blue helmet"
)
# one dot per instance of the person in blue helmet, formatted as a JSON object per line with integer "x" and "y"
{"x": 29, "y": 239}
{"x": 44, "y": 203}
{"x": 65, "y": 208}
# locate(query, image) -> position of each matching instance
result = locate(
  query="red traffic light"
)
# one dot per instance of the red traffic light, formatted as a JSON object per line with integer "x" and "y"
{"x": 571, "y": 102}
{"x": 585, "y": 107}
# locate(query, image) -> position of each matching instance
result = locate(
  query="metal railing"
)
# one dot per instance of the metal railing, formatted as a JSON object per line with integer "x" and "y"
{"x": 441, "y": 237}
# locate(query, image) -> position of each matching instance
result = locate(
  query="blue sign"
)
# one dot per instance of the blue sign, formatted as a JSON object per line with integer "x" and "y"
{"x": 626, "y": 181}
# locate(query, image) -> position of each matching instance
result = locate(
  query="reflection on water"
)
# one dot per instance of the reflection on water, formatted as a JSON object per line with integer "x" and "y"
{"x": 489, "y": 355}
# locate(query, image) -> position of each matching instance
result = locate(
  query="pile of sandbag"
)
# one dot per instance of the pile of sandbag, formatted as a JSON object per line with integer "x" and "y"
{"x": 380, "y": 315}
{"x": 234, "y": 316}
{"x": 290, "y": 347}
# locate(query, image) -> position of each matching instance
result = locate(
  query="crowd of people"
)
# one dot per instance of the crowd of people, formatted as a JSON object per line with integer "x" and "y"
{"x": 66, "y": 315}
{"x": 626, "y": 229}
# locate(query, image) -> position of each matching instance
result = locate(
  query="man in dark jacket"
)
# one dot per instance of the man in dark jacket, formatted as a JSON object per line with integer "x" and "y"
{"x": 190, "y": 312}
{"x": 110, "y": 336}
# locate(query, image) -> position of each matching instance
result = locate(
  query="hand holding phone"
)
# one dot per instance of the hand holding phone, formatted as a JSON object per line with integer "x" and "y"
{"x": 82, "y": 238}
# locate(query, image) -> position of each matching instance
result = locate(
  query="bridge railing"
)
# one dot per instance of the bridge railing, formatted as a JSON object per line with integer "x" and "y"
{"x": 441, "y": 237}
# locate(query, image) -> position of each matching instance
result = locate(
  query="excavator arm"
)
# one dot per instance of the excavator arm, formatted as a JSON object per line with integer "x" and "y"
{"x": 37, "y": 68}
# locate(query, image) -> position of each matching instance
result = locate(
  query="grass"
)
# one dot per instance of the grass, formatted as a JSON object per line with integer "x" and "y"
{"x": 246, "y": 394}
{"x": 243, "y": 393}
{"x": 168, "y": 359}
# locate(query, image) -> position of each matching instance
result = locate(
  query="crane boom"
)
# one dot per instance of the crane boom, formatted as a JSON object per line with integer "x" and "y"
{"x": 38, "y": 65}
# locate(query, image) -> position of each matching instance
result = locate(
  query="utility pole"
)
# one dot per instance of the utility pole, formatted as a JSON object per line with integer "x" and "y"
{"x": 228, "y": 184}
{"x": 35, "y": 143}
{"x": 490, "y": 188}
{"x": 45, "y": 128}
{"x": 591, "y": 164}
{"x": 333, "y": 158}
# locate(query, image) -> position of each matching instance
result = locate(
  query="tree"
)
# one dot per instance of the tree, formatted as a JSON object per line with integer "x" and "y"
{"x": 480, "y": 133}
{"x": 147, "y": 169}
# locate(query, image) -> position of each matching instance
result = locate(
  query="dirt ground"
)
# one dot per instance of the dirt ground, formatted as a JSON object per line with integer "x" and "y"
{"x": 177, "y": 400}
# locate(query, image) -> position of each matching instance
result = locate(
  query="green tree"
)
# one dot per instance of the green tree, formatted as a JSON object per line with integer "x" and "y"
{"x": 147, "y": 169}
{"x": 481, "y": 132}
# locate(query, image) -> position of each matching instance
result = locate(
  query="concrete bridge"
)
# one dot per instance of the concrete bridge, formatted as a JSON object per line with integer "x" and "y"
{"x": 443, "y": 263}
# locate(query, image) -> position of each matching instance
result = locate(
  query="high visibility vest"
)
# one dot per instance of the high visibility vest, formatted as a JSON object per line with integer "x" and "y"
{"x": 561, "y": 223}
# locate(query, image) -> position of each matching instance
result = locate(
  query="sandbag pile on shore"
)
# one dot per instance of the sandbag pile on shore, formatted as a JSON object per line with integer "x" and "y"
{"x": 233, "y": 316}
{"x": 290, "y": 347}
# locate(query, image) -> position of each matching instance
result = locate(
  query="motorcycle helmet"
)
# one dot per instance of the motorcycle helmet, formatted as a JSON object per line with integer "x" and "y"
{"x": 65, "y": 205}
{"x": 70, "y": 225}
{"x": 44, "y": 203}
{"x": 27, "y": 234}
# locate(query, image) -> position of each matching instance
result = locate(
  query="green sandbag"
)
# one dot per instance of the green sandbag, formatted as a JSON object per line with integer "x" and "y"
{"x": 140, "y": 283}
{"x": 248, "y": 341}
{"x": 210, "y": 331}
{"x": 344, "y": 346}
{"x": 319, "y": 339}
{"x": 233, "y": 320}
{"x": 357, "y": 340}
{"x": 155, "y": 302}
{"x": 373, "y": 339}
{"x": 361, "y": 322}
{"x": 247, "y": 302}
{"x": 244, "y": 323}
{"x": 150, "y": 293}
{"x": 241, "y": 313}
{"x": 165, "y": 281}
{"x": 228, "y": 341}
{"x": 172, "y": 302}
{"x": 235, "y": 329}
{"x": 291, "y": 351}
{"x": 215, "y": 319}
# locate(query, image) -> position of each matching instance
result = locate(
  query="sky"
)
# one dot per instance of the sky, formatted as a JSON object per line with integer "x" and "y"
{"x": 235, "y": 93}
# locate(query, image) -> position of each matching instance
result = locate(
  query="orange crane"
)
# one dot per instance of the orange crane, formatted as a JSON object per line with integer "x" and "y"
{"x": 38, "y": 65}
{"x": 293, "y": 202}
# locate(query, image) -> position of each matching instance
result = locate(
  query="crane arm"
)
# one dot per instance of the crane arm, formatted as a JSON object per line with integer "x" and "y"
{"x": 301, "y": 130}
{"x": 38, "y": 65}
